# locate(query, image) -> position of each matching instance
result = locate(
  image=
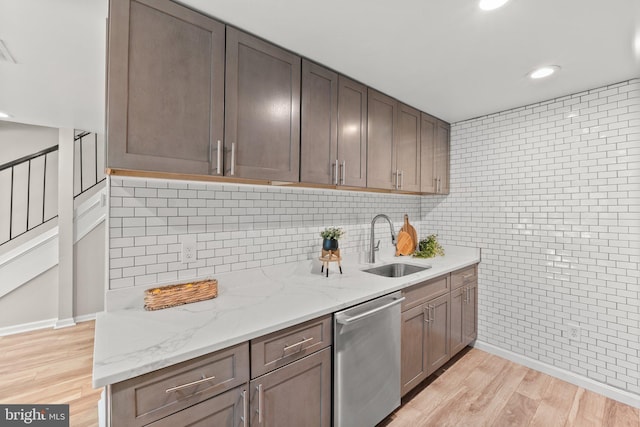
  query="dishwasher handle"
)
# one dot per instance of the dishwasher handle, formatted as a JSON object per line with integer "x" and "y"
{"x": 349, "y": 320}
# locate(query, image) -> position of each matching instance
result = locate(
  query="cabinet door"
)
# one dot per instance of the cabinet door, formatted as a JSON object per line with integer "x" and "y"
{"x": 319, "y": 129}
{"x": 352, "y": 132}
{"x": 413, "y": 354}
{"x": 407, "y": 148}
{"x": 298, "y": 394}
{"x": 470, "y": 315}
{"x": 165, "y": 87}
{"x": 438, "y": 340}
{"x": 225, "y": 410}
{"x": 382, "y": 119}
{"x": 458, "y": 301}
{"x": 428, "y": 127}
{"x": 262, "y": 116}
{"x": 441, "y": 164}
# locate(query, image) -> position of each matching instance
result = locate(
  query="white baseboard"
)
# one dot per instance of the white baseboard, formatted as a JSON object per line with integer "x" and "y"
{"x": 614, "y": 393}
{"x": 64, "y": 323}
{"x": 85, "y": 317}
{"x": 27, "y": 327}
{"x": 44, "y": 324}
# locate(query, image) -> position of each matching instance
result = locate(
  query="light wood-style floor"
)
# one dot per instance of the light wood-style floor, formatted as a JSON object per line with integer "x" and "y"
{"x": 51, "y": 366}
{"x": 477, "y": 389}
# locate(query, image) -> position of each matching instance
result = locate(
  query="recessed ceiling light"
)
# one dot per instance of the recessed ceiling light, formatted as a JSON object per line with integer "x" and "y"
{"x": 491, "y": 4}
{"x": 4, "y": 115}
{"x": 543, "y": 72}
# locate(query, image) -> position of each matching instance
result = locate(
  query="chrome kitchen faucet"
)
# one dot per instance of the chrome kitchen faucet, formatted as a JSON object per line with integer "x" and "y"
{"x": 373, "y": 249}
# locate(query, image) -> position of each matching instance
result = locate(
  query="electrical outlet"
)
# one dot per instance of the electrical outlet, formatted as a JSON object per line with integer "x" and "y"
{"x": 188, "y": 249}
{"x": 573, "y": 331}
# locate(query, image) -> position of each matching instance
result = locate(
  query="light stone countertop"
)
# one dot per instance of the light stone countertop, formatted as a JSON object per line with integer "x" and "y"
{"x": 130, "y": 341}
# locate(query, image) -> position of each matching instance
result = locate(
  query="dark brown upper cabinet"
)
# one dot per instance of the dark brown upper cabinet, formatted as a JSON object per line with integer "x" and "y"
{"x": 165, "y": 87}
{"x": 434, "y": 156}
{"x": 407, "y": 146}
{"x": 262, "y": 114}
{"x": 393, "y": 159}
{"x": 382, "y": 120}
{"x": 334, "y": 128}
{"x": 319, "y": 128}
{"x": 352, "y": 132}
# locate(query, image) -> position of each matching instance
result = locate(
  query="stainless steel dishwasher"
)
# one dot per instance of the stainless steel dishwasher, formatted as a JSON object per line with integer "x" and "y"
{"x": 367, "y": 362}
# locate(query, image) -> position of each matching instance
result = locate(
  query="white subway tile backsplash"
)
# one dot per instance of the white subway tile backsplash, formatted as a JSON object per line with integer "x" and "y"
{"x": 553, "y": 203}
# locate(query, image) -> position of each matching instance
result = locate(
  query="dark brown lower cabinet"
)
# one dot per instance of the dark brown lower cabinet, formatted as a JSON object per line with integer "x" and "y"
{"x": 425, "y": 340}
{"x": 438, "y": 321}
{"x": 225, "y": 410}
{"x": 414, "y": 348}
{"x": 464, "y": 308}
{"x": 298, "y": 394}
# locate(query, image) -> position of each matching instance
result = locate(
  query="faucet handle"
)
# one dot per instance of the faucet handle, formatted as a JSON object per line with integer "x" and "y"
{"x": 377, "y": 247}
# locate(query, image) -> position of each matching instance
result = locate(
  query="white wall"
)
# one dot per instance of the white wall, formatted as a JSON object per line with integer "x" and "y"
{"x": 36, "y": 301}
{"x": 551, "y": 192}
{"x": 18, "y": 140}
{"x": 89, "y": 272}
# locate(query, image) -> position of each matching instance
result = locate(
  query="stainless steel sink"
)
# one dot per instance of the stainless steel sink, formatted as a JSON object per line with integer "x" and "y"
{"x": 396, "y": 269}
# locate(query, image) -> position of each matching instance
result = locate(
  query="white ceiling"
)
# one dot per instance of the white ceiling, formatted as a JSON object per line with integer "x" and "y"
{"x": 446, "y": 57}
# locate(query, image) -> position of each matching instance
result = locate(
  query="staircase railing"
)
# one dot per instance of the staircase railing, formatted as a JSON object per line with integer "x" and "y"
{"x": 29, "y": 185}
{"x": 20, "y": 192}
{"x": 89, "y": 162}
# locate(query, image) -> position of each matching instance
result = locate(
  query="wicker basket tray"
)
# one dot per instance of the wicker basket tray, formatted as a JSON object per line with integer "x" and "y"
{"x": 185, "y": 293}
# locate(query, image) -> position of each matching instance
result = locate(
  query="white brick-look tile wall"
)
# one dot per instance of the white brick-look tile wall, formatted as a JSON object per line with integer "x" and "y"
{"x": 236, "y": 226}
{"x": 551, "y": 193}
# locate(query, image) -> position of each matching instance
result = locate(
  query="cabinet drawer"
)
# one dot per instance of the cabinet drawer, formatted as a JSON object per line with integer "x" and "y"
{"x": 226, "y": 409}
{"x": 147, "y": 398}
{"x": 422, "y": 292}
{"x": 465, "y": 276}
{"x": 279, "y": 348}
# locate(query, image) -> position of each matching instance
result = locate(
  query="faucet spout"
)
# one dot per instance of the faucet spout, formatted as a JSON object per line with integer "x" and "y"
{"x": 372, "y": 247}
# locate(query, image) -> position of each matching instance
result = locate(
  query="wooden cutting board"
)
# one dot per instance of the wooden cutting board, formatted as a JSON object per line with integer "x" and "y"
{"x": 404, "y": 244}
{"x": 408, "y": 228}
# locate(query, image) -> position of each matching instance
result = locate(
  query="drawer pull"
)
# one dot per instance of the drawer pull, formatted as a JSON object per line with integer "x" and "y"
{"x": 289, "y": 347}
{"x": 180, "y": 387}
{"x": 467, "y": 276}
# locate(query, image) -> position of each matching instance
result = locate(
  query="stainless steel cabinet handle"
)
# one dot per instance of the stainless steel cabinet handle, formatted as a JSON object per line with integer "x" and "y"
{"x": 425, "y": 311}
{"x": 343, "y": 173}
{"x": 219, "y": 159}
{"x": 260, "y": 403}
{"x": 433, "y": 313}
{"x": 180, "y": 387}
{"x": 349, "y": 320}
{"x": 335, "y": 167}
{"x": 289, "y": 347}
{"x": 466, "y": 295}
{"x": 401, "y": 179}
{"x": 244, "y": 408}
{"x": 233, "y": 159}
{"x": 467, "y": 276}
{"x": 210, "y": 153}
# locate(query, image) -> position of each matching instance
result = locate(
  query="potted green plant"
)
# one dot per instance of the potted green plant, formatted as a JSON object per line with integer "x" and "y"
{"x": 330, "y": 236}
